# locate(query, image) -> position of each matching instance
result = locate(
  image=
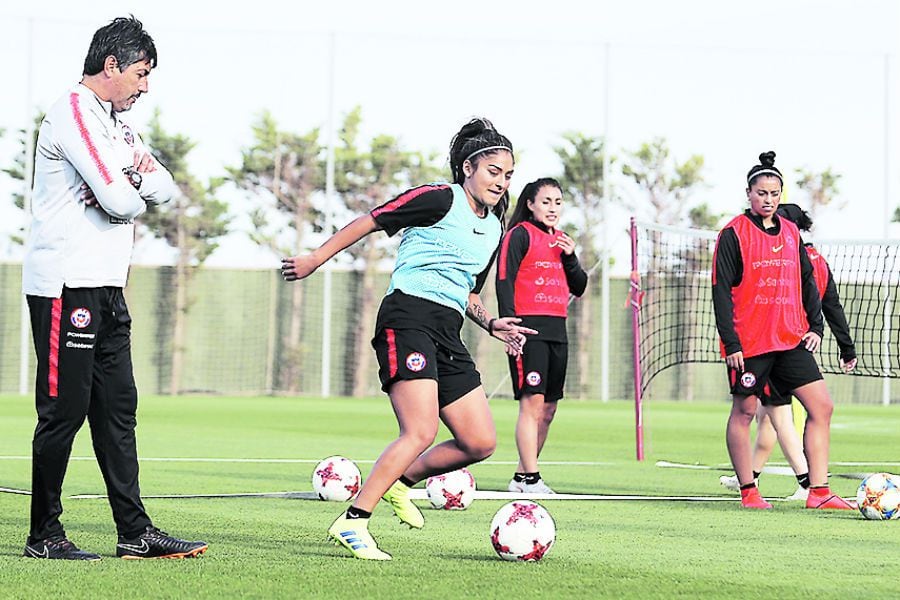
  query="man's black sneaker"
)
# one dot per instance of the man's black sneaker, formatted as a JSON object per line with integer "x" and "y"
{"x": 58, "y": 547}
{"x": 154, "y": 543}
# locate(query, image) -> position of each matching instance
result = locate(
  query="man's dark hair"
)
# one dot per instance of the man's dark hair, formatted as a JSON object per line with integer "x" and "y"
{"x": 123, "y": 38}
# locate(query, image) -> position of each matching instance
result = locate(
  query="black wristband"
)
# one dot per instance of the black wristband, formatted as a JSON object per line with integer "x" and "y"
{"x": 491, "y": 326}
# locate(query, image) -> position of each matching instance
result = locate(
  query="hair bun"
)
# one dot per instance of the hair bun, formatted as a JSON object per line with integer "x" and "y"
{"x": 767, "y": 159}
{"x": 486, "y": 123}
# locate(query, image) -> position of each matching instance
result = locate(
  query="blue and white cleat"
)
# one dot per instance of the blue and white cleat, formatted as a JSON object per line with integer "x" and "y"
{"x": 353, "y": 534}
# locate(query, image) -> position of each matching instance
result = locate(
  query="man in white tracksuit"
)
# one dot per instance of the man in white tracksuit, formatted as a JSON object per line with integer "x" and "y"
{"x": 93, "y": 176}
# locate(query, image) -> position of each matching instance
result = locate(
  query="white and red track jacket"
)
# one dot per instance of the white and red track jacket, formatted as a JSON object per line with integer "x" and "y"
{"x": 82, "y": 140}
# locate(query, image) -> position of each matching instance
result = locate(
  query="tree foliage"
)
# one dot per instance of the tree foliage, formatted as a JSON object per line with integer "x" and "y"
{"x": 368, "y": 176}
{"x": 193, "y": 222}
{"x": 365, "y": 177}
{"x": 582, "y": 180}
{"x": 700, "y": 217}
{"x": 668, "y": 186}
{"x": 16, "y": 171}
{"x": 821, "y": 187}
{"x": 584, "y": 162}
{"x": 282, "y": 171}
{"x": 667, "y": 183}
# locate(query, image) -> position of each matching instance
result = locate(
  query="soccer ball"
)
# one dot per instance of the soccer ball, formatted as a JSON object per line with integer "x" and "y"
{"x": 878, "y": 497}
{"x": 522, "y": 530}
{"x": 336, "y": 479}
{"x": 451, "y": 491}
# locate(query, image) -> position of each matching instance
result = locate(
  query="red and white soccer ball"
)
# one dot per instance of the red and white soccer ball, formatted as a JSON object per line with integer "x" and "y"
{"x": 878, "y": 497}
{"x": 522, "y": 530}
{"x": 451, "y": 491}
{"x": 336, "y": 479}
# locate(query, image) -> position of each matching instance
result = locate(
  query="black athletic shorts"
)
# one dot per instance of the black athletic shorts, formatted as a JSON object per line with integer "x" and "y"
{"x": 781, "y": 372}
{"x": 419, "y": 339}
{"x": 540, "y": 369}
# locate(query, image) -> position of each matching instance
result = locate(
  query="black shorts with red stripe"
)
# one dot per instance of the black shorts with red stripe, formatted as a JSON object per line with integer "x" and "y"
{"x": 540, "y": 369}
{"x": 419, "y": 339}
{"x": 773, "y": 376}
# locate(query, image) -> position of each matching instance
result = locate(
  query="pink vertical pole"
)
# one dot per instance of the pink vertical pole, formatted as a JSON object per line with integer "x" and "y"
{"x": 635, "y": 298}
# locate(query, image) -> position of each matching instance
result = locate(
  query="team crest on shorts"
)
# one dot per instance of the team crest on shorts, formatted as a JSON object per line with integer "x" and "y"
{"x": 415, "y": 361}
{"x": 80, "y": 317}
{"x": 533, "y": 378}
{"x": 748, "y": 380}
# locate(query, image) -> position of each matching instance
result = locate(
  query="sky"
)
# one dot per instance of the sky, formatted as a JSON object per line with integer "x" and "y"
{"x": 726, "y": 80}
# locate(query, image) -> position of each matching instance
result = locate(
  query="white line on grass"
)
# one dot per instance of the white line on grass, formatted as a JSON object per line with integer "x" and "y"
{"x": 879, "y": 463}
{"x": 865, "y": 464}
{"x": 773, "y": 470}
{"x": 776, "y": 469}
{"x": 300, "y": 495}
{"x": 420, "y": 494}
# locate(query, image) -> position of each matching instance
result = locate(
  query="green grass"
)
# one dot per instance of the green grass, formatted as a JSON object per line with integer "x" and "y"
{"x": 267, "y": 548}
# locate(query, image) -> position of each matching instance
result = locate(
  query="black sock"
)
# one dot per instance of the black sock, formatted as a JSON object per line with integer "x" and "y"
{"x": 747, "y": 486}
{"x": 803, "y": 480}
{"x": 756, "y": 474}
{"x": 532, "y": 478}
{"x": 406, "y": 481}
{"x": 520, "y": 477}
{"x": 357, "y": 513}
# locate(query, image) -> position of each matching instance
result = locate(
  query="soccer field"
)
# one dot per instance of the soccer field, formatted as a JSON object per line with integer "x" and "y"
{"x": 276, "y": 547}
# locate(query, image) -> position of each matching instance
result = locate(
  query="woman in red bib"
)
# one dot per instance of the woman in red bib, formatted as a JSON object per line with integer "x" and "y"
{"x": 536, "y": 272}
{"x": 777, "y": 422}
{"x": 769, "y": 318}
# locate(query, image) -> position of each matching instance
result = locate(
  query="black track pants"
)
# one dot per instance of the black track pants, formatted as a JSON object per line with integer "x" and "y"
{"x": 83, "y": 346}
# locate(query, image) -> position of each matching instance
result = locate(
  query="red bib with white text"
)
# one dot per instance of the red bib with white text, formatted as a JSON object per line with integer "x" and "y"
{"x": 768, "y": 303}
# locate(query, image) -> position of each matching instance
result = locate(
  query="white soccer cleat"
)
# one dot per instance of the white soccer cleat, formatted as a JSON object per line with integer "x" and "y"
{"x": 801, "y": 494}
{"x": 730, "y": 483}
{"x": 539, "y": 487}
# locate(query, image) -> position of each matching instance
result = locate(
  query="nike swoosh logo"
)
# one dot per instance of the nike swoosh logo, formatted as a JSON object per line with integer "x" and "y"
{"x": 36, "y": 554}
{"x": 777, "y": 248}
{"x": 476, "y": 232}
{"x": 142, "y": 549}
